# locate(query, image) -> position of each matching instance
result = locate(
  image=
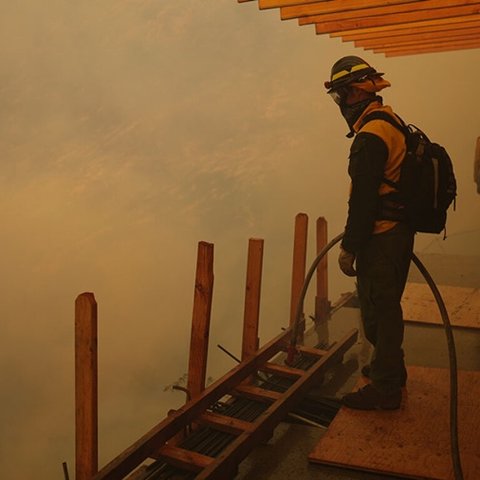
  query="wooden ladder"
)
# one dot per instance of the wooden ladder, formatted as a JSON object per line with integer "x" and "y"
{"x": 157, "y": 443}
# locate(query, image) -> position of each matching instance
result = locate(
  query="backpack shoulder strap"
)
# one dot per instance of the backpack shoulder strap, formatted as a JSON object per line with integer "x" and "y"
{"x": 378, "y": 115}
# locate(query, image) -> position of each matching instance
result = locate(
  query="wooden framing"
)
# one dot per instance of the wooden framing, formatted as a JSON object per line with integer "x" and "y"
{"x": 202, "y": 304}
{"x": 160, "y": 442}
{"x": 250, "y": 339}
{"x": 154, "y": 441}
{"x": 299, "y": 263}
{"x": 86, "y": 387}
{"x": 369, "y": 19}
{"x": 322, "y": 305}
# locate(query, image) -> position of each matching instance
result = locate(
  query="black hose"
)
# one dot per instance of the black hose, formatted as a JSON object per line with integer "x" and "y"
{"x": 454, "y": 446}
{"x": 452, "y": 356}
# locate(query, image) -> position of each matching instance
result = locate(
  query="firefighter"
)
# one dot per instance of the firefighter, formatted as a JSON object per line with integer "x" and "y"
{"x": 375, "y": 250}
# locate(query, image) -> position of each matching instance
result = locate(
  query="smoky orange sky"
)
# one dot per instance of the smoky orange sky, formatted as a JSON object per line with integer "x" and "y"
{"x": 131, "y": 130}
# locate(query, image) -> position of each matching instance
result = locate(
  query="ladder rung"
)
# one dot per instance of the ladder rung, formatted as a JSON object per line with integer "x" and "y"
{"x": 314, "y": 352}
{"x": 257, "y": 393}
{"x": 282, "y": 370}
{"x": 224, "y": 423}
{"x": 185, "y": 459}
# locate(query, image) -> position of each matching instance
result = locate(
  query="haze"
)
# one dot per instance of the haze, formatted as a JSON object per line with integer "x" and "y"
{"x": 131, "y": 130}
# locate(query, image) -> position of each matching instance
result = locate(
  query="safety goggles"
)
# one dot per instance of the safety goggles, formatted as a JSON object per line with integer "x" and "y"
{"x": 339, "y": 95}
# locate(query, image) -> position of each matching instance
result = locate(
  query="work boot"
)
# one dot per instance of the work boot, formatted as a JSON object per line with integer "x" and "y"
{"x": 369, "y": 398}
{"x": 366, "y": 373}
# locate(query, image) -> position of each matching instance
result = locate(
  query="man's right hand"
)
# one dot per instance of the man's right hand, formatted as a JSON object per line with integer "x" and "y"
{"x": 346, "y": 261}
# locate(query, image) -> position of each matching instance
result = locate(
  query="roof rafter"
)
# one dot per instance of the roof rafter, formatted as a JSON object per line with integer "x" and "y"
{"x": 428, "y": 49}
{"x": 417, "y": 26}
{"x": 419, "y": 38}
{"x": 394, "y": 30}
{"x": 395, "y": 19}
{"x": 345, "y": 6}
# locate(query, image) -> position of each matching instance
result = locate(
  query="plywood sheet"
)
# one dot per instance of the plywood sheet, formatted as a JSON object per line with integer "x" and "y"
{"x": 462, "y": 304}
{"x": 414, "y": 441}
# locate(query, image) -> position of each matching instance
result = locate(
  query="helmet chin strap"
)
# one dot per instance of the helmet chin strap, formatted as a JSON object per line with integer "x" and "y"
{"x": 351, "y": 113}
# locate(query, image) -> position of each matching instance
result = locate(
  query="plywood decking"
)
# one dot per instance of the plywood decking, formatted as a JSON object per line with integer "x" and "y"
{"x": 463, "y": 305}
{"x": 414, "y": 441}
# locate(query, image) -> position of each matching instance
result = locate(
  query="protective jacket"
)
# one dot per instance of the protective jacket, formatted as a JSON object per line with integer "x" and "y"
{"x": 376, "y": 153}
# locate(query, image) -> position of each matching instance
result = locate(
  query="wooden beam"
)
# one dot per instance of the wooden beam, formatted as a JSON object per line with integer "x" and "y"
{"x": 184, "y": 459}
{"x": 299, "y": 263}
{"x": 257, "y": 393}
{"x": 163, "y": 431}
{"x": 202, "y": 304}
{"x": 394, "y": 19}
{"x": 86, "y": 387}
{"x": 282, "y": 370}
{"x": 312, "y": 352}
{"x": 429, "y": 48}
{"x": 231, "y": 425}
{"x": 418, "y": 39}
{"x": 264, "y": 4}
{"x": 350, "y": 7}
{"x": 251, "y": 315}
{"x": 410, "y": 25}
{"x": 322, "y": 304}
{"x": 393, "y": 31}
{"x": 438, "y": 43}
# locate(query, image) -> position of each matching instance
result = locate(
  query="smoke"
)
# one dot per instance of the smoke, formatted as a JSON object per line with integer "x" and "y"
{"x": 131, "y": 130}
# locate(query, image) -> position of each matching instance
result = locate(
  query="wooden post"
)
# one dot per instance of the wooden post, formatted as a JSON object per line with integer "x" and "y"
{"x": 202, "y": 305}
{"x": 252, "y": 298}
{"x": 322, "y": 305}
{"x": 476, "y": 165}
{"x": 86, "y": 387}
{"x": 299, "y": 262}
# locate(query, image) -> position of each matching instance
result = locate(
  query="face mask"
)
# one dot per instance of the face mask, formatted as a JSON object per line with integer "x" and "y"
{"x": 351, "y": 113}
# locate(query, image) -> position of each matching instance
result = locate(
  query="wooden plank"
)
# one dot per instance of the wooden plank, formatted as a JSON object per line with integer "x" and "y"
{"x": 322, "y": 304}
{"x": 184, "y": 459}
{"x": 250, "y": 340}
{"x": 438, "y": 47}
{"x": 410, "y": 25}
{"x": 224, "y": 423}
{"x": 414, "y": 441}
{"x": 264, "y": 4}
{"x": 419, "y": 38}
{"x": 427, "y": 9}
{"x": 476, "y": 165}
{"x": 420, "y": 44}
{"x": 394, "y": 19}
{"x": 256, "y": 393}
{"x": 202, "y": 305}
{"x": 393, "y": 31}
{"x": 352, "y": 8}
{"x": 462, "y": 304}
{"x": 299, "y": 263}
{"x": 86, "y": 387}
{"x": 152, "y": 440}
{"x": 313, "y": 352}
{"x": 236, "y": 451}
{"x": 434, "y": 43}
{"x": 418, "y": 51}
{"x": 282, "y": 370}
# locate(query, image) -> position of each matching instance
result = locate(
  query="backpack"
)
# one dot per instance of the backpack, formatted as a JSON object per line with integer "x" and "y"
{"x": 427, "y": 185}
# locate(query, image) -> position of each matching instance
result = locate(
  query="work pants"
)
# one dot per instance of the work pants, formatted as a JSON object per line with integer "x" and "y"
{"x": 382, "y": 270}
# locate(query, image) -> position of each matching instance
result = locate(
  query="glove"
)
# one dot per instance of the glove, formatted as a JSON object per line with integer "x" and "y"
{"x": 345, "y": 261}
